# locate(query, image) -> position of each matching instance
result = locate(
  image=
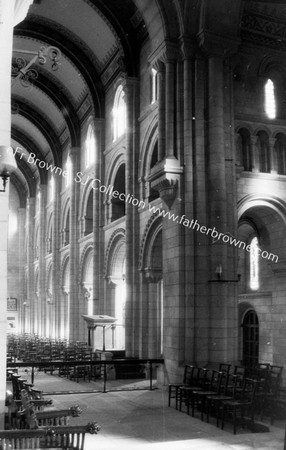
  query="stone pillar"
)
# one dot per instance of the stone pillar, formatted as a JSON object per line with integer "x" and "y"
{"x": 42, "y": 254}
{"x": 170, "y": 107}
{"x": 254, "y": 154}
{"x": 222, "y": 308}
{"x": 273, "y": 155}
{"x": 56, "y": 291}
{"x": 132, "y": 228}
{"x": 22, "y": 263}
{"x": 98, "y": 222}
{"x": 31, "y": 204}
{"x": 160, "y": 67}
{"x": 153, "y": 330}
{"x": 3, "y": 297}
{"x": 191, "y": 120}
{"x": 217, "y": 209}
{"x": 10, "y": 13}
{"x": 74, "y": 320}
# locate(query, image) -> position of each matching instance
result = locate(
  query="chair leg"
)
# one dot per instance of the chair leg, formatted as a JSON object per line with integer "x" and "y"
{"x": 169, "y": 400}
{"x": 234, "y": 420}
{"x": 222, "y": 416}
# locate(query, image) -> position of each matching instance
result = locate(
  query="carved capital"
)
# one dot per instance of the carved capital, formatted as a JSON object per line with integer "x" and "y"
{"x": 188, "y": 47}
{"x": 152, "y": 275}
{"x": 215, "y": 45}
{"x": 165, "y": 177}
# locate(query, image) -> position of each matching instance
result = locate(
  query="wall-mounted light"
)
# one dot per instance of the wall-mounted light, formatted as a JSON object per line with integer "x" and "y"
{"x": 7, "y": 164}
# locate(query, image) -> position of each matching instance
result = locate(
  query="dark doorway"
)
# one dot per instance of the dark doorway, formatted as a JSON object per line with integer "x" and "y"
{"x": 250, "y": 327}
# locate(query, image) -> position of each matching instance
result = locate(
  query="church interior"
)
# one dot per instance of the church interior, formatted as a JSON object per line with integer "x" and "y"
{"x": 143, "y": 209}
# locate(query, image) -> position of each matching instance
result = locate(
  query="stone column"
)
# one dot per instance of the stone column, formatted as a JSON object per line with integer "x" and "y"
{"x": 56, "y": 292}
{"x": 273, "y": 155}
{"x": 31, "y": 204}
{"x": 10, "y": 13}
{"x": 98, "y": 222}
{"x": 160, "y": 67}
{"x": 254, "y": 153}
{"x": 132, "y": 229}
{"x": 42, "y": 265}
{"x": 189, "y": 133}
{"x": 220, "y": 206}
{"x": 74, "y": 320}
{"x": 22, "y": 263}
{"x": 170, "y": 107}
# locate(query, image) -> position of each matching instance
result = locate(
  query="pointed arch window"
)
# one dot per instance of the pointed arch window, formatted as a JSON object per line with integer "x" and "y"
{"x": 90, "y": 147}
{"x": 270, "y": 102}
{"x": 154, "y": 85}
{"x": 68, "y": 169}
{"x": 51, "y": 189}
{"x": 254, "y": 264}
{"x": 119, "y": 114}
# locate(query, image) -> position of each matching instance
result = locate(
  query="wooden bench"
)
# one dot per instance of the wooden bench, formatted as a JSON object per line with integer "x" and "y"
{"x": 70, "y": 437}
{"x": 28, "y": 417}
{"x": 54, "y": 417}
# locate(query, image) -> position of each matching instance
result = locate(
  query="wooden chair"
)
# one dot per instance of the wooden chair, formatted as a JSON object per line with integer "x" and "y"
{"x": 174, "y": 387}
{"x": 228, "y": 392}
{"x": 199, "y": 381}
{"x": 223, "y": 367}
{"x": 198, "y": 397}
{"x": 236, "y": 409}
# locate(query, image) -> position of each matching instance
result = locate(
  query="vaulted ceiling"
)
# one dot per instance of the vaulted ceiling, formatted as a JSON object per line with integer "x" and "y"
{"x": 97, "y": 39}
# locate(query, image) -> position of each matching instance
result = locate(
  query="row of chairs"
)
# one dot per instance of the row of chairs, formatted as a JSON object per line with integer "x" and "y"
{"x": 33, "y": 348}
{"x": 225, "y": 393}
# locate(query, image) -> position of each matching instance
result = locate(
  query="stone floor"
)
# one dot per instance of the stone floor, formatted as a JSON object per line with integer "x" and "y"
{"x": 141, "y": 419}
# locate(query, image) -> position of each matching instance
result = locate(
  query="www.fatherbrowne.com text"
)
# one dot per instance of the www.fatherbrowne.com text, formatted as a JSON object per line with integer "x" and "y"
{"x": 109, "y": 190}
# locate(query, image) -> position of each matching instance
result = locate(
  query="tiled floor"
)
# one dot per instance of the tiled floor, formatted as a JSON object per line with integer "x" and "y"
{"x": 142, "y": 420}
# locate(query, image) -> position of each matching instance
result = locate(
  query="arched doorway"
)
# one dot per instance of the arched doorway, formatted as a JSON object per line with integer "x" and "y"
{"x": 250, "y": 338}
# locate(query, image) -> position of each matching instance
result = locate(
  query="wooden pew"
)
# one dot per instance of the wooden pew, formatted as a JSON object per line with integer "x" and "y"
{"x": 34, "y": 419}
{"x": 47, "y": 437}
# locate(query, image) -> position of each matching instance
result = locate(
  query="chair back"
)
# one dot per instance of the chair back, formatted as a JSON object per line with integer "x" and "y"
{"x": 188, "y": 374}
{"x": 216, "y": 379}
{"x": 223, "y": 367}
{"x": 239, "y": 371}
{"x": 248, "y": 390}
{"x": 232, "y": 383}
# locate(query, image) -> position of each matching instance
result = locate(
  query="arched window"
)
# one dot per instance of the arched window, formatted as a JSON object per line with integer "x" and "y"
{"x": 117, "y": 205}
{"x": 68, "y": 169}
{"x": 154, "y": 85}
{"x": 264, "y": 151}
{"x": 280, "y": 147}
{"x": 270, "y": 103}
{"x": 243, "y": 149}
{"x": 119, "y": 114}
{"x": 254, "y": 265}
{"x": 50, "y": 235}
{"x": 88, "y": 219}
{"x": 154, "y": 159}
{"x": 51, "y": 194}
{"x": 90, "y": 147}
{"x": 66, "y": 229}
{"x": 250, "y": 327}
